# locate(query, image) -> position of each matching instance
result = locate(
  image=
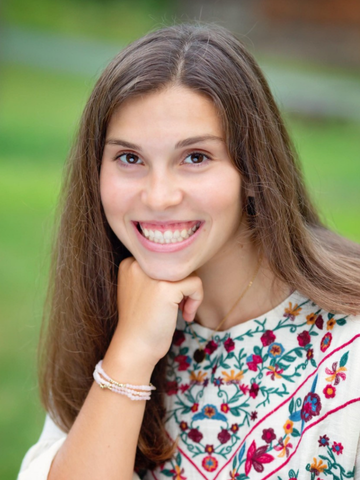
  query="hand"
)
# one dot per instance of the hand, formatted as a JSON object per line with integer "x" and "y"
{"x": 148, "y": 309}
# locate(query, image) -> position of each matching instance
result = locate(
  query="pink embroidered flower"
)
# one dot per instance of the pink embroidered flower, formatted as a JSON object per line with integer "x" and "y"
{"x": 268, "y": 435}
{"x": 254, "y": 390}
{"x": 224, "y": 436}
{"x": 229, "y": 345}
{"x": 195, "y": 435}
{"x": 209, "y": 463}
{"x": 337, "y": 448}
{"x": 224, "y": 407}
{"x": 267, "y": 338}
{"x": 183, "y": 426}
{"x": 304, "y": 338}
{"x": 335, "y": 373}
{"x": 283, "y": 447}
{"x": 256, "y": 458}
{"x": 171, "y": 388}
{"x": 326, "y": 342}
{"x": 211, "y": 347}
{"x": 178, "y": 338}
{"x": 244, "y": 388}
{"x": 274, "y": 372}
{"x": 253, "y": 361}
{"x": 329, "y": 391}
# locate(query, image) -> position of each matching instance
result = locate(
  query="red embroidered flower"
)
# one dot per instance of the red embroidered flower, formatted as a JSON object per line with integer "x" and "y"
{"x": 194, "y": 407}
{"x": 304, "y": 338}
{"x": 195, "y": 435}
{"x": 183, "y": 426}
{"x": 254, "y": 390}
{"x": 337, "y": 448}
{"x": 267, "y": 338}
{"x": 311, "y": 406}
{"x": 209, "y": 448}
{"x": 229, "y": 345}
{"x": 224, "y": 407}
{"x": 209, "y": 411}
{"x": 323, "y": 441}
{"x": 178, "y": 337}
{"x": 209, "y": 463}
{"x": 224, "y": 436}
{"x": 326, "y": 342}
{"x": 268, "y": 435}
{"x": 329, "y": 391}
{"x": 253, "y": 416}
{"x": 234, "y": 427}
{"x": 256, "y": 458}
{"x": 244, "y": 388}
{"x": 218, "y": 381}
{"x": 319, "y": 322}
{"x": 171, "y": 388}
{"x": 184, "y": 362}
{"x": 210, "y": 347}
{"x": 184, "y": 387}
{"x": 310, "y": 354}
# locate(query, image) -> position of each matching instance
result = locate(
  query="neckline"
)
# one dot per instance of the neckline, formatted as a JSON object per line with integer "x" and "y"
{"x": 295, "y": 298}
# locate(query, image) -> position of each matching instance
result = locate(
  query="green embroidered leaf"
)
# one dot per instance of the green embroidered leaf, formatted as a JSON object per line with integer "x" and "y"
{"x": 313, "y": 363}
{"x": 242, "y": 477}
{"x": 230, "y": 355}
{"x": 234, "y": 463}
{"x": 167, "y": 473}
{"x": 314, "y": 334}
{"x": 291, "y": 406}
{"x": 295, "y": 433}
{"x": 344, "y": 359}
{"x": 178, "y": 459}
{"x": 298, "y": 352}
{"x": 183, "y": 351}
{"x": 292, "y": 474}
{"x": 330, "y": 316}
{"x": 235, "y": 411}
{"x": 341, "y": 321}
{"x": 257, "y": 351}
{"x": 288, "y": 358}
{"x": 226, "y": 366}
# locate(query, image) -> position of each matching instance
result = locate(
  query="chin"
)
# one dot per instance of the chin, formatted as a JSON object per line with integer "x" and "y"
{"x": 168, "y": 274}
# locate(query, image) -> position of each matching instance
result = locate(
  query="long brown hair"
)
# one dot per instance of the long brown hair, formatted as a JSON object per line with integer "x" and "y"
{"x": 82, "y": 294}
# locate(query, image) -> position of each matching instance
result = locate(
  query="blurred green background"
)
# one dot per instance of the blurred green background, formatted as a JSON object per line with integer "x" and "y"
{"x": 51, "y": 56}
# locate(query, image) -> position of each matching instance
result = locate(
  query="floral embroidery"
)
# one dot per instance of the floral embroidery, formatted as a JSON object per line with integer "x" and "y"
{"x": 250, "y": 374}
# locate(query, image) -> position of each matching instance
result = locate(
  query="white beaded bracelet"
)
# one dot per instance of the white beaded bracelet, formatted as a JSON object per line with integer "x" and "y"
{"x": 134, "y": 392}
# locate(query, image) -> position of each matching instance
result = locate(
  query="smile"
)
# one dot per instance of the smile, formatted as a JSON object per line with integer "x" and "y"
{"x": 174, "y": 233}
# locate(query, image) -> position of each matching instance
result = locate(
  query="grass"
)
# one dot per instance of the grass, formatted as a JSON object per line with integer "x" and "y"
{"x": 38, "y": 118}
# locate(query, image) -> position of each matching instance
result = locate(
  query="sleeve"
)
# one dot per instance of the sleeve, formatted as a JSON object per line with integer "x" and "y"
{"x": 357, "y": 463}
{"x": 37, "y": 462}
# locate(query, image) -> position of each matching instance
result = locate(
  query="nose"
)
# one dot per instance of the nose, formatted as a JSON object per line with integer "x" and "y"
{"x": 161, "y": 190}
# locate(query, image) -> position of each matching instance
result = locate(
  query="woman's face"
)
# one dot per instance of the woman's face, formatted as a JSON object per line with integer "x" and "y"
{"x": 169, "y": 189}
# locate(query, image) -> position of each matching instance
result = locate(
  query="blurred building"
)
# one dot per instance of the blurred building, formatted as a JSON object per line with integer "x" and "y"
{"x": 321, "y": 30}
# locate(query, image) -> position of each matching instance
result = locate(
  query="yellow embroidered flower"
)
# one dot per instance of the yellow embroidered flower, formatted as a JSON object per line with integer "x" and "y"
{"x": 330, "y": 324}
{"x": 288, "y": 427}
{"x": 275, "y": 372}
{"x": 317, "y": 468}
{"x": 198, "y": 377}
{"x": 292, "y": 311}
{"x": 284, "y": 447}
{"x": 311, "y": 319}
{"x": 177, "y": 471}
{"x": 232, "y": 377}
{"x": 336, "y": 374}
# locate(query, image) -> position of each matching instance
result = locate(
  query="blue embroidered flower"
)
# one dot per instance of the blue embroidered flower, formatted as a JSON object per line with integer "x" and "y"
{"x": 275, "y": 350}
{"x": 209, "y": 412}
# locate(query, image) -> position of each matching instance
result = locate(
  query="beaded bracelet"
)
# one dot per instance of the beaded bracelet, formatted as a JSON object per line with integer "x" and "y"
{"x": 134, "y": 392}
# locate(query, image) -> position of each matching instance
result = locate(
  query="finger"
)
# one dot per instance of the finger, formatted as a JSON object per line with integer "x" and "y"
{"x": 193, "y": 294}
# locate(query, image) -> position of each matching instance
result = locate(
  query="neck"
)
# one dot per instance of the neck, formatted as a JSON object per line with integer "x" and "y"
{"x": 223, "y": 284}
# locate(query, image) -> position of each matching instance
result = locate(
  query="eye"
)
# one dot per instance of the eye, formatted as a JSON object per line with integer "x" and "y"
{"x": 128, "y": 158}
{"x": 196, "y": 158}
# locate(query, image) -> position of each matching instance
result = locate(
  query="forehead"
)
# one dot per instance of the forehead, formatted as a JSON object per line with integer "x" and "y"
{"x": 175, "y": 111}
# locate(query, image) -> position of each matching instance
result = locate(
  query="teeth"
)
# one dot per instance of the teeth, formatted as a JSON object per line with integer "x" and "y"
{"x": 168, "y": 236}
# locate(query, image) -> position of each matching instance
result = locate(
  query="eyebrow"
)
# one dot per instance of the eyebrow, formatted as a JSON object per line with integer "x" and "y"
{"x": 182, "y": 143}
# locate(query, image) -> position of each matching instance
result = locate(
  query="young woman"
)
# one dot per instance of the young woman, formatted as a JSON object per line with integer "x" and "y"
{"x": 189, "y": 255}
